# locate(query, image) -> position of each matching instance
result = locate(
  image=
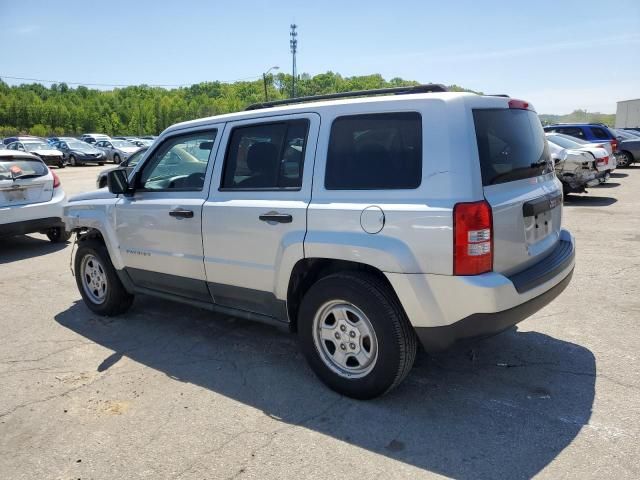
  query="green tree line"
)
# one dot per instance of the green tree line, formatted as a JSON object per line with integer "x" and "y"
{"x": 142, "y": 110}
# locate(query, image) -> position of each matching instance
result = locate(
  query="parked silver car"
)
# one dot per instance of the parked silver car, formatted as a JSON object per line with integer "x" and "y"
{"x": 116, "y": 150}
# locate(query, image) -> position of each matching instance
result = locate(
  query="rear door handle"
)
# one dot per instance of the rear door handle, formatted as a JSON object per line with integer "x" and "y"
{"x": 276, "y": 217}
{"x": 181, "y": 213}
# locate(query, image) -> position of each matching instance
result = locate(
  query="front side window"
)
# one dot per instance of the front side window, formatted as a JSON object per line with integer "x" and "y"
{"x": 180, "y": 163}
{"x": 266, "y": 156}
{"x": 375, "y": 152}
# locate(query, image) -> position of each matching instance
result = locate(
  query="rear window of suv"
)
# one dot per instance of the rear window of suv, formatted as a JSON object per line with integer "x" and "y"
{"x": 511, "y": 145}
{"x": 600, "y": 133}
{"x": 375, "y": 152}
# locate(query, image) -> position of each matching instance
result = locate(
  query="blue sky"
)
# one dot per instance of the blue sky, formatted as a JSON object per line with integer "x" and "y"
{"x": 560, "y": 55}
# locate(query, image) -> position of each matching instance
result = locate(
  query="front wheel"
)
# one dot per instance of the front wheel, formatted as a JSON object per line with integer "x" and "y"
{"x": 72, "y": 161}
{"x": 355, "y": 335}
{"x": 61, "y": 164}
{"x": 98, "y": 282}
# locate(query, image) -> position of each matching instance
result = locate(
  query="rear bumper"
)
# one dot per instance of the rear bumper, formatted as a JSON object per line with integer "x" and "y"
{"x": 30, "y": 226}
{"x": 446, "y": 308}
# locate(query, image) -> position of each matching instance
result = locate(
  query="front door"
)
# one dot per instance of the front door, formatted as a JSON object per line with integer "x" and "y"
{"x": 160, "y": 225}
{"x": 255, "y": 218}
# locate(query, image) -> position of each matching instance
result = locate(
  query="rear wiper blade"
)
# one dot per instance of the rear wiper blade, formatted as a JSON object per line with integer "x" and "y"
{"x": 27, "y": 175}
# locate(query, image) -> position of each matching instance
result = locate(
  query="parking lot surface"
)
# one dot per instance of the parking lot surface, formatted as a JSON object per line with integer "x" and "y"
{"x": 169, "y": 391}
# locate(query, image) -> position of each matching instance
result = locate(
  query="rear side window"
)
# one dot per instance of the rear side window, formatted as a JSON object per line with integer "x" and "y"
{"x": 375, "y": 152}
{"x": 511, "y": 145}
{"x": 266, "y": 156}
{"x": 600, "y": 133}
{"x": 13, "y": 168}
{"x": 573, "y": 131}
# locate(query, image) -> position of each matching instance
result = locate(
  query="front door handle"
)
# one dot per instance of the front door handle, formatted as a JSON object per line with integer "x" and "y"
{"x": 181, "y": 213}
{"x": 276, "y": 217}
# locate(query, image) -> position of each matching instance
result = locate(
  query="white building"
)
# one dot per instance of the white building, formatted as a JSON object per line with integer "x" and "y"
{"x": 628, "y": 114}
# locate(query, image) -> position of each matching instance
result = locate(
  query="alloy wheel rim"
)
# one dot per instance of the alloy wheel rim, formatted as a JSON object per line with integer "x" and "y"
{"x": 94, "y": 279}
{"x": 345, "y": 339}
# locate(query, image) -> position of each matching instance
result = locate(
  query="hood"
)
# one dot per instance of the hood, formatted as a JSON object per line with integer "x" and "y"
{"x": 101, "y": 194}
{"x": 48, "y": 152}
{"x": 129, "y": 149}
{"x": 85, "y": 150}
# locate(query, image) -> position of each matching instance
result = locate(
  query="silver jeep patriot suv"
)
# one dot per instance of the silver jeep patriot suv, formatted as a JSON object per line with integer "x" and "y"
{"x": 366, "y": 222}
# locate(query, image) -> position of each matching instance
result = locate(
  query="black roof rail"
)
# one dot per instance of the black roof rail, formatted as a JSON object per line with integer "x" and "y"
{"x": 426, "y": 88}
{"x": 499, "y": 95}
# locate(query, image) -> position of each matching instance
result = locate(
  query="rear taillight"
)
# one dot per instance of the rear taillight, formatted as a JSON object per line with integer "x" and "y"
{"x": 614, "y": 145}
{"x": 603, "y": 160}
{"x": 472, "y": 238}
{"x": 520, "y": 104}
{"x": 56, "y": 179}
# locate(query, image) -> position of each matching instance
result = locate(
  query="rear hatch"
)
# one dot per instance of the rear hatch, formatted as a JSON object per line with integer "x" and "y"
{"x": 24, "y": 181}
{"x": 520, "y": 185}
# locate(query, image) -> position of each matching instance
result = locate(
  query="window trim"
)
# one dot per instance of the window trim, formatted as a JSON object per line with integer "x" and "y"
{"x": 374, "y": 114}
{"x": 139, "y": 168}
{"x": 286, "y": 121}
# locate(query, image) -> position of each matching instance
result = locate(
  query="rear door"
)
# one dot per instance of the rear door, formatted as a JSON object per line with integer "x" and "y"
{"x": 520, "y": 185}
{"x": 24, "y": 181}
{"x": 255, "y": 218}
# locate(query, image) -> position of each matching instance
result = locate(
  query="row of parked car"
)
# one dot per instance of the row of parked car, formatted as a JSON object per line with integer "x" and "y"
{"x": 585, "y": 154}
{"x": 89, "y": 148}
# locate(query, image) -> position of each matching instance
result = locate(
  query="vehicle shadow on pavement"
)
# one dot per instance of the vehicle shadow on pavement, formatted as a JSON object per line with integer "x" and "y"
{"x": 588, "y": 201}
{"x": 504, "y": 409}
{"x": 608, "y": 185}
{"x": 21, "y": 247}
{"x": 619, "y": 175}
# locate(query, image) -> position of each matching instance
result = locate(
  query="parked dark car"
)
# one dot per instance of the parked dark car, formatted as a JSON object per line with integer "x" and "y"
{"x": 591, "y": 132}
{"x": 127, "y": 165}
{"x": 76, "y": 152}
{"x": 628, "y": 148}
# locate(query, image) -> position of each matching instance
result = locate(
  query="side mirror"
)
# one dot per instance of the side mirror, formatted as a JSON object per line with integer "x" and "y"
{"x": 117, "y": 182}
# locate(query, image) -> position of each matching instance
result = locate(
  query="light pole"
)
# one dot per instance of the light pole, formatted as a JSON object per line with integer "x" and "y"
{"x": 264, "y": 78}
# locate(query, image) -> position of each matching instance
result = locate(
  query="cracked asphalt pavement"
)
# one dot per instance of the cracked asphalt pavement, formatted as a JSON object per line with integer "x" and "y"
{"x": 168, "y": 391}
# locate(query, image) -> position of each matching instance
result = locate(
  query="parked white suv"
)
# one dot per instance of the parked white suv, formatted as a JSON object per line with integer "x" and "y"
{"x": 31, "y": 197}
{"x": 364, "y": 224}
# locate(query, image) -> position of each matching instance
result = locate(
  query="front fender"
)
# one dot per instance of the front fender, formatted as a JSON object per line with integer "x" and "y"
{"x": 97, "y": 216}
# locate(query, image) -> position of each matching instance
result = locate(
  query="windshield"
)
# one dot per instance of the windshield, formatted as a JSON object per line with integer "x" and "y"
{"x": 511, "y": 145}
{"x": 16, "y": 168}
{"x": 563, "y": 141}
{"x": 136, "y": 157}
{"x": 31, "y": 146}
{"x": 625, "y": 135}
{"x": 122, "y": 144}
{"x": 78, "y": 145}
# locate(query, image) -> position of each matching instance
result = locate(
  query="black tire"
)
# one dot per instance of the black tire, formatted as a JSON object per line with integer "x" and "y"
{"x": 396, "y": 340}
{"x": 624, "y": 159}
{"x": 116, "y": 159}
{"x": 72, "y": 161}
{"x": 101, "y": 164}
{"x": 117, "y": 300}
{"x": 58, "y": 235}
{"x": 61, "y": 164}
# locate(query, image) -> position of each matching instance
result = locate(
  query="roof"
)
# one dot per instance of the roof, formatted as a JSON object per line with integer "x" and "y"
{"x": 16, "y": 154}
{"x": 318, "y": 106}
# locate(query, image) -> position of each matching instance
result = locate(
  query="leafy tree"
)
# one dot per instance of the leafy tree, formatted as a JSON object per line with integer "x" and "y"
{"x": 141, "y": 109}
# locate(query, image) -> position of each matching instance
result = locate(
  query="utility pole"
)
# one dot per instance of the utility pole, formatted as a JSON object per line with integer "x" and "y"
{"x": 293, "y": 43}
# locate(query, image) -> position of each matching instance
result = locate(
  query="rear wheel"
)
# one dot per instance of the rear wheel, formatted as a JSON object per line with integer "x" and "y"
{"x": 116, "y": 159}
{"x": 355, "y": 335}
{"x": 97, "y": 280}
{"x": 624, "y": 159}
{"x": 58, "y": 235}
